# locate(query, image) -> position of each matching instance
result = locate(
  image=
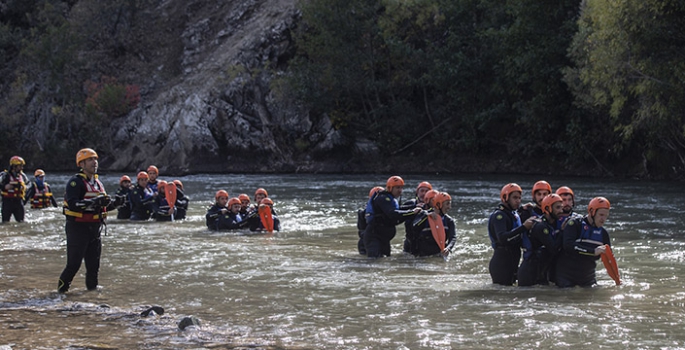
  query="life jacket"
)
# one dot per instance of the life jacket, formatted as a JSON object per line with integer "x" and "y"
{"x": 516, "y": 222}
{"x": 590, "y": 234}
{"x": 93, "y": 190}
{"x": 18, "y": 189}
{"x": 41, "y": 198}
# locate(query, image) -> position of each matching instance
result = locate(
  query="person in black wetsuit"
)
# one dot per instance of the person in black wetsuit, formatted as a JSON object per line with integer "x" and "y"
{"x": 568, "y": 202}
{"x": 540, "y": 190}
{"x": 182, "y": 201}
{"x": 124, "y": 210}
{"x": 505, "y": 230}
{"x": 13, "y": 187}
{"x": 232, "y": 220}
{"x": 541, "y": 245}
{"x": 255, "y": 221}
{"x": 219, "y": 208}
{"x": 584, "y": 240}
{"x": 417, "y": 201}
{"x": 386, "y": 215}
{"x": 142, "y": 199}
{"x": 364, "y": 216}
{"x": 423, "y": 243}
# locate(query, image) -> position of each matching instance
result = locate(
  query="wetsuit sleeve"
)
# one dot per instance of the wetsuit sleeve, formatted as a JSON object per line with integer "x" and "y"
{"x": 408, "y": 205}
{"x": 451, "y": 232}
{"x": 386, "y": 205}
{"x": 541, "y": 232}
{"x": 52, "y": 198}
{"x": 500, "y": 223}
{"x": 570, "y": 236}
{"x": 29, "y": 194}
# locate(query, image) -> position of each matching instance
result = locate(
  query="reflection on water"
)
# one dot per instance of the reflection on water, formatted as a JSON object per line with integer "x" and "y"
{"x": 306, "y": 287}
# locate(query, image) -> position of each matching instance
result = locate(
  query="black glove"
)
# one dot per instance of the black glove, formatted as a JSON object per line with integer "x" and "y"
{"x": 102, "y": 201}
{"x": 119, "y": 201}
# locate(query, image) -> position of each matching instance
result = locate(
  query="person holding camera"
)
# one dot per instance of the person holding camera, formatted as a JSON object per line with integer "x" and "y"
{"x": 85, "y": 205}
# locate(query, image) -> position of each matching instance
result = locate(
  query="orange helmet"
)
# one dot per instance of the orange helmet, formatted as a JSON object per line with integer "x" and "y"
{"x": 507, "y": 190}
{"x": 541, "y": 185}
{"x": 160, "y": 185}
{"x": 375, "y": 190}
{"x": 220, "y": 193}
{"x": 440, "y": 199}
{"x": 244, "y": 197}
{"x": 429, "y": 195}
{"x": 425, "y": 184}
{"x": 267, "y": 201}
{"x": 565, "y": 190}
{"x": 597, "y": 203}
{"x": 179, "y": 184}
{"x": 548, "y": 201}
{"x": 394, "y": 181}
{"x": 38, "y": 172}
{"x": 83, "y": 154}
{"x": 142, "y": 175}
{"x": 232, "y": 201}
{"x": 152, "y": 169}
{"x": 262, "y": 191}
{"x": 124, "y": 178}
{"x": 16, "y": 160}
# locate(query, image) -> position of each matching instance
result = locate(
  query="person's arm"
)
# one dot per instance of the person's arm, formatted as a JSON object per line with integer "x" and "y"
{"x": 571, "y": 235}
{"x": 451, "y": 233}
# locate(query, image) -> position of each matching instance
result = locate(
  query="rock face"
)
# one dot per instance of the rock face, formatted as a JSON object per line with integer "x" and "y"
{"x": 217, "y": 111}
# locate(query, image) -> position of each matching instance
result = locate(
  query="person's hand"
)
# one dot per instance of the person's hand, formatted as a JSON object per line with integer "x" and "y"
{"x": 530, "y": 222}
{"x": 417, "y": 210}
{"x": 434, "y": 215}
{"x": 600, "y": 250}
{"x": 171, "y": 211}
{"x": 224, "y": 211}
{"x": 8, "y": 187}
{"x": 445, "y": 252}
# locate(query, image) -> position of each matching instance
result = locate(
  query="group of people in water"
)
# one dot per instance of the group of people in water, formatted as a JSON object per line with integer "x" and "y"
{"x": 533, "y": 244}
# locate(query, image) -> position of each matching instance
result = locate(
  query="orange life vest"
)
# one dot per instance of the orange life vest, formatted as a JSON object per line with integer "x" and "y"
{"x": 18, "y": 188}
{"x": 41, "y": 199}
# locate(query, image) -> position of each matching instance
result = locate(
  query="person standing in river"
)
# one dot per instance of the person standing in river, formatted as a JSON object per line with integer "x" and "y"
{"x": 584, "y": 240}
{"x": 541, "y": 245}
{"x": 85, "y": 205}
{"x": 386, "y": 215}
{"x": 505, "y": 231}
{"x": 540, "y": 190}
{"x": 39, "y": 193}
{"x": 13, "y": 187}
{"x": 417, "y": 201}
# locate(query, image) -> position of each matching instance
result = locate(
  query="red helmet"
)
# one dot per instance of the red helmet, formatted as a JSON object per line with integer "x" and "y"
{"x": 124, "y": 178}
{"x": 440, "y": 199}
{"x": 548, "y": 201}
{"x": 375, "y": 190}
{"x": 267, "y": 201}
{"x": 394, "y": 181}
{"x": 429, "y": 195}
{"x": 232, "y": 201}
{"x": 507, "y": 190}
{"x": 244, "y": 197}
{"x": 16, "y": 160}
{"x": 597, "y": 203}
{"x": 541, "y": 185}
{"x": 152, "y": 169}
{"x": 142, "y": 175}
{"x": 38, "y": 172}
{"x": 220, "y": 193}
{"x": 262, "y": 191}
{"x": 425, "y": 184}
{"x": 179, "y": 184}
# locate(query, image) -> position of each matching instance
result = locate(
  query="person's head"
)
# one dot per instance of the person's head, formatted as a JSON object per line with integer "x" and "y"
{"x": 244, "y": 200}
{"x": 374, "y": 191}
{"x": 394, "y": 185}
{"x": 598, "y": 211}
{"x": 568, "y": 199}
{"x": 234, "y": 205}
{"x": 421, "y": 190}
{"x": 125, "y": 181}
{"x": 540, "y": 190}
{"x": 17, "y": 163}
{"x": 260, "y": 194}
{"x": 552, "y": 206}
{"x": 179, "y": 184}
{"x": 428, "y": 198}
{"x": 442, "y": 202}
{"x": 153, "y": 172}
{"x": 221, "y": 198}
{"x": 267, "y": 201}
{"x": 510, "y": 195}
{"x": 87, "y": 160}
{"x": 39, "y": 174}
{"x": 142, "y": 179}
{"x": 161, "y": 187}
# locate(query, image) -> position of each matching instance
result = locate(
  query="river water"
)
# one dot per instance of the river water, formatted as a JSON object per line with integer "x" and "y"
{"x": 306, "y": 287}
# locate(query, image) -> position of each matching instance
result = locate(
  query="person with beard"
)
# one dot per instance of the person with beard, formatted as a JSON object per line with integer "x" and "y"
{"x": 541, "y": 245}
{"x": 540, "y": 190}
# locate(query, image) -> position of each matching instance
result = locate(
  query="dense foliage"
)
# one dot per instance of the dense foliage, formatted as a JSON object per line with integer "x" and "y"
{"x": 595, "y": 84}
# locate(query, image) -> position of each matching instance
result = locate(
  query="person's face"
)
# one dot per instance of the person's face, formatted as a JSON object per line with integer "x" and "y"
{"x": 446, "y": 206}
{"x": 244, "y": 203}
{"x": 222, "y": 201}
{"x": 421, "y": 192}
{"x": 235, "y": 208}
{"x": 153, "y": 175}
{"x": 601, "y": 217}
{"x": 514, "y": 200}
{"x": 557, "y": 210}
{"x": 125, "y": 184}
{"x": 539, "y": 195}
{"x": 142, "y": 182}
{"x": 397, "y": 191}
{"x": 258, "y": 197}
{"x": 567, "y": 203}
{"x": 90, "y": 165}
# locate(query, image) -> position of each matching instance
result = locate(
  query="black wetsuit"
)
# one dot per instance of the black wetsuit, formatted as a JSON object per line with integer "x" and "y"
{"x": 381, "y": 230}
{"x": 505, "y": 230}
{"x": 212, "y": 216}
{"x": 142, "y": 203}
{"x": 541, "y": 249}
{"x": 409, "y": 205}
{"x": 421, "y": 237}
{"x": 576, "y": 265}
{"x": 231, "y": 221}
{"x": 124, "y": 210}
{"x": 182, "y": 202}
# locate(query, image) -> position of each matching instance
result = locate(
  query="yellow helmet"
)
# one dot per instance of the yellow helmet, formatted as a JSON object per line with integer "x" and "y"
{"x": 39, "y": 172}
{"x": 84, "y": 154}
{"x": 16, "y": 160}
